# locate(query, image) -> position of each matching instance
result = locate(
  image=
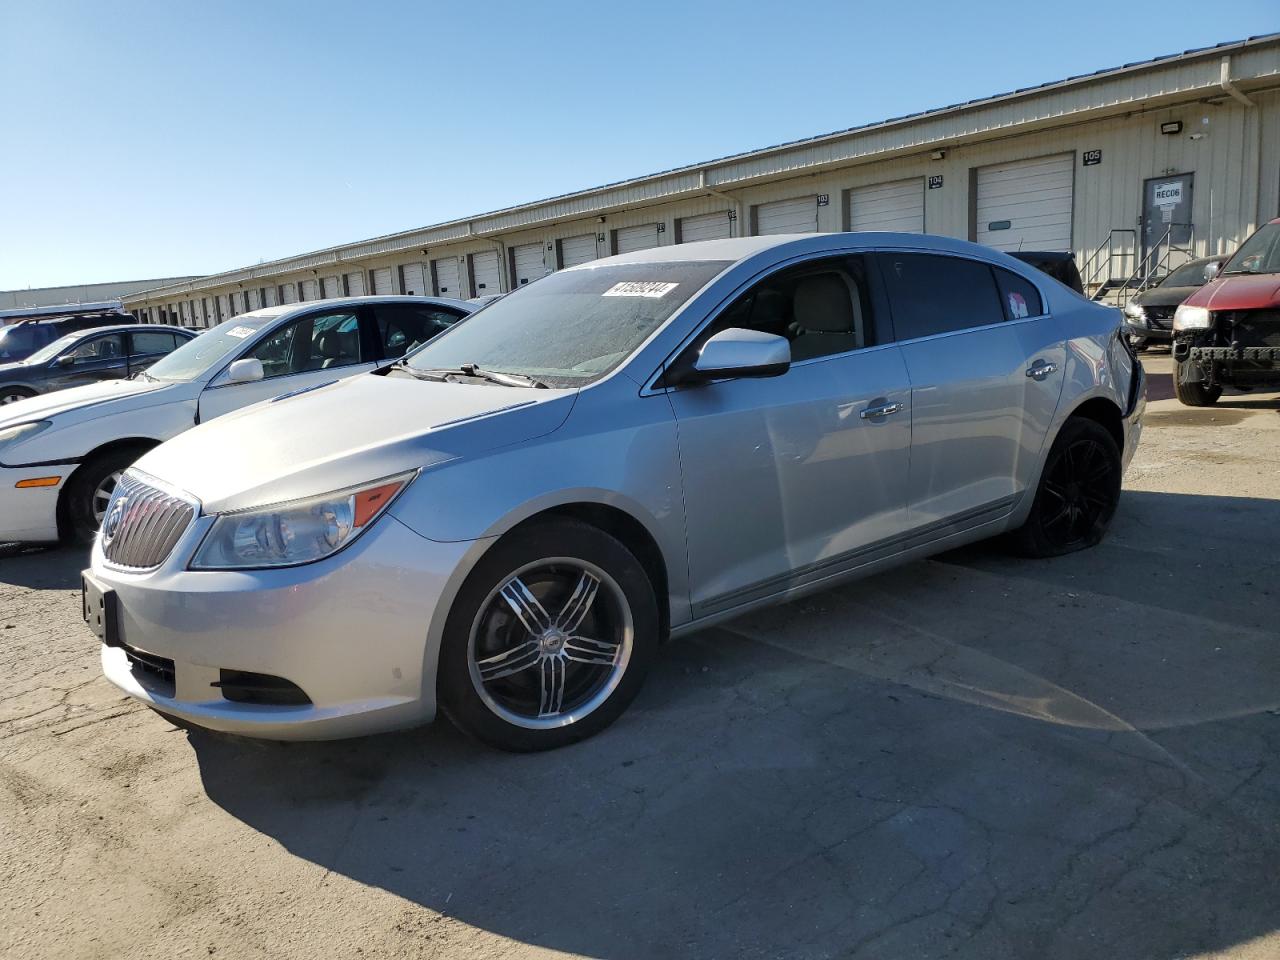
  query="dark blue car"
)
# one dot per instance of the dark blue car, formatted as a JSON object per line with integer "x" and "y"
{"x": 103, "y": 353}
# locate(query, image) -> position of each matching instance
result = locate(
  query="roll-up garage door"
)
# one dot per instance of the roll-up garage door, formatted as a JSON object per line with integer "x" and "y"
{"x": 448, "y": 283}
{"x": 626, "y": 239}
{"x": 486, "y": 278}
{"x": 255, "y": 301}
{"x": 224, "y": 309}
{"x": 413, "y": 277}
{"x": 288, "y": 293}
{"x": 355, "y": 284}
{"x": 331, "y": 287}
{"x": 382, "y": 281}
{"x": 576, "y": 250}
{"x": 310, "y": 290}
{"x": 897, "y": 206}
{"x": 1025, "y": 205}
{"x": 709, "y": 226}
{"x": 788, "y": 216}
{"x": 272, "y": 297}
{"x": 526, "y": 263}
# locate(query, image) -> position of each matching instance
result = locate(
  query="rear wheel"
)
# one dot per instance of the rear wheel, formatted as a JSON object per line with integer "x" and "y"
{"x": 1190, "y": 389}
{"x": 89, "y": 491}
{"x": 1078, "y": 492}
{"x": 549, "y": 639}
{"x": 14, "y": 394}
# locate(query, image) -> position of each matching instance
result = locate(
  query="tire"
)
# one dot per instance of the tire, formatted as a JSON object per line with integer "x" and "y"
{"x": 596, "y": 655}
{"x": 1189, "y": 389}
{"x": 14, "y": 394}
{"x": 1078, "y": 492}
{"x": 96, "y": 477}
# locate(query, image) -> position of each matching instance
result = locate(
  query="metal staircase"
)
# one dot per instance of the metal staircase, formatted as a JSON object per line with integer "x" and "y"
{"x": 1114, "y": 273}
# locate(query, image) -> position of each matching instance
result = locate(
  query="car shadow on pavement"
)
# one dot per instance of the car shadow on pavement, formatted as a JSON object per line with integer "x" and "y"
{"x": 978, "y": 756}
{"x": 42, "y": 567}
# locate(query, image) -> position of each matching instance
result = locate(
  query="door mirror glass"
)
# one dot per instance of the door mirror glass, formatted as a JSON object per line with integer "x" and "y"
{"x": 737, "y": 352}
{"x": 248, "y": 370}
{"x": 1211, "y": 270}
{"x": 65, "y": 360}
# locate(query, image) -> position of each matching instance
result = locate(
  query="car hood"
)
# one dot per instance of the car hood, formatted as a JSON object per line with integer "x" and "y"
{"x": 347, "y": 433}
{"x": 90, "y": 401}
{"x": 1239, "y": 292}
{"x": 1164, "y": 296}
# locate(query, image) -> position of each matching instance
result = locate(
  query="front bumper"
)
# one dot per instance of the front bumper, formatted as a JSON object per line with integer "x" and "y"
{"x": 357, "y": 633}
{"x": 1231, "y": 353}
{"x": 1147, "y": 331}
{"x": 30, "y": 514}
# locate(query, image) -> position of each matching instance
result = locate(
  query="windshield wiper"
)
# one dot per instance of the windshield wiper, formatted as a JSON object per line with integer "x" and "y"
{"x": 475, "y": 370}
{"x": 143, "y": 375}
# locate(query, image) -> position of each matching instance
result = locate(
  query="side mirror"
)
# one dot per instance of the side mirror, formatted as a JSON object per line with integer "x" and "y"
{"x": 65, "y": 360}
{"x": 742, "y": 353}
{"x": 1211, "y": 270}
{"x": 245, "y": 371}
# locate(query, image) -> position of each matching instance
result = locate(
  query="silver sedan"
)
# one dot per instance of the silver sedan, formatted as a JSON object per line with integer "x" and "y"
{"x": 509, "y": 522}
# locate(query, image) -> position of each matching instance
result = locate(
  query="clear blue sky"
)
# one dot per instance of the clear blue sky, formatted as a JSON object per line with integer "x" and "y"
{"x": 156, "y": 139}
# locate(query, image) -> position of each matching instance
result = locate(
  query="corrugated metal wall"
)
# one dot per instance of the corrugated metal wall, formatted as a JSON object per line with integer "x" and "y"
{"x": 1233, "y": 150}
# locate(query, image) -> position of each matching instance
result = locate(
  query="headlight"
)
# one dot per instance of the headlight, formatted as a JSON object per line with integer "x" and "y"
{"x": 9, "y": 434}
{"x": 301, "y": 531}
{"x": 1192, "y": 318}
{"x": 1135, "y": 312}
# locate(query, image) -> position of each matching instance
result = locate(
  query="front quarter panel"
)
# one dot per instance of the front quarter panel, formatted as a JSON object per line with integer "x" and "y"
{"x": 615, "y": 449}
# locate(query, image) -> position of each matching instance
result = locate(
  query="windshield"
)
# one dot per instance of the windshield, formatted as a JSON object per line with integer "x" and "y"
{"x": 1188, "y": 275}
{"x": 17, "y": 342}
{"x": 572, "y": 327}
{"x": 52, "y": 350}
{"x": 1259, "y": 254}
{"x": 208, "y": 349}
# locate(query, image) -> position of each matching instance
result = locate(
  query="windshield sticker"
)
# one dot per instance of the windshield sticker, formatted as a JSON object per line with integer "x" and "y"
{"x": 239, "y": 332}
{"x": 640, "y": 288}
{"x": 1017, "y": 306}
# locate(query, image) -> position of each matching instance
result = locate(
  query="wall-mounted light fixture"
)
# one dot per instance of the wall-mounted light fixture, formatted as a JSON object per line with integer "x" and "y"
{"x": 938, "y": 155}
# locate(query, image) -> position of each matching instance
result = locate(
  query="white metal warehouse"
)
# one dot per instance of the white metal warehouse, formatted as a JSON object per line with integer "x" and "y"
{"x": 1130, "y": 168}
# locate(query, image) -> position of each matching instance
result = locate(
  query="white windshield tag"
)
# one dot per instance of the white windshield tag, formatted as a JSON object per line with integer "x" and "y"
{"x": 640, "y": 288}
{"x": 239, "y": 332}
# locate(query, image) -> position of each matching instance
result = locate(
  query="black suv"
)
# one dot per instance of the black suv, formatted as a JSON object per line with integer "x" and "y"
{"x": 20, "y": 340}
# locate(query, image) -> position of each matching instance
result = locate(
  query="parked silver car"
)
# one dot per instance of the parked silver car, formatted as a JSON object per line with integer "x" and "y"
{"x": 510, "y": 521}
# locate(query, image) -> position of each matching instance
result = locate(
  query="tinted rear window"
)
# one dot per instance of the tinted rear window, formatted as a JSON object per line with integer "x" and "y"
{"x": 931, "y": 294}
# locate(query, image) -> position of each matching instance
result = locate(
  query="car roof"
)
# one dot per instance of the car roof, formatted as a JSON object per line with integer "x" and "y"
{"x": 289, "y": 309}
{"x": 128, "y": 327}
{"x": 736, "y": 249}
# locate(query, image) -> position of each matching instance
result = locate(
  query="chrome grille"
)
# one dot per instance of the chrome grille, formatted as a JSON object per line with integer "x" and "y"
{"x": 142, "y": 524}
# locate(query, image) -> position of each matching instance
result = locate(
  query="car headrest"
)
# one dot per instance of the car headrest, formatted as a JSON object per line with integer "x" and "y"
{"x": 330, "y": 344}
{"x": 823, "y": 304}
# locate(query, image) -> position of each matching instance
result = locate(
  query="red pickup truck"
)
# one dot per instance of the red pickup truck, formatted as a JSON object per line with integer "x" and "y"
{"x": 1227, "y": 334}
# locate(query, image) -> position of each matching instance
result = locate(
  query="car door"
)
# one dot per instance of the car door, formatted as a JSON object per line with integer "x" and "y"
{"x": 968, "y": 373}
{"x": 299, "y": 353}
{"x": 95, "y": 358}
{"x": 793, "y": 478}
{"x": 146, "y": 347}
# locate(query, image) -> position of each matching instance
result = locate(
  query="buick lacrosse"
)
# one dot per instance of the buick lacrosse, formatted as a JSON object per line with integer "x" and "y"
{"x": 507, "y": 523}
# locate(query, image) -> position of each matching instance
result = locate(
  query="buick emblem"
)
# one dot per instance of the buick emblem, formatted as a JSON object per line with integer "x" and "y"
{"x": 111, "y": 522}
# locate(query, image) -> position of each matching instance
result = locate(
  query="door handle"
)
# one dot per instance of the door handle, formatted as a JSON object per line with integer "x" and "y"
{"x": 877, "y": 413}
{"x": 1041, "y": 369}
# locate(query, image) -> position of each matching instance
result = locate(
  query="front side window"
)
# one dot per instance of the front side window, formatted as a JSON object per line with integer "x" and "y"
{"x": 822, "y": 307}
{"x": 570, "y": 328}
{"x": 405, "y": 327}
{"x": 315, "y": 342}
{"x": 98, "y": 349}
{"x": 1259, "y": 254}
{"x": 935, "y": 293}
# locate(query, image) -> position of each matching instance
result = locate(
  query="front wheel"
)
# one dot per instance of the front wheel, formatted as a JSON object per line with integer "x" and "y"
{"x": 89, "y": 491}
{"x": 1190, "y": 390}
{"x": 10, "y": 395}
{"x": 1078, "y": 492}
{"x": 549, "y": 639}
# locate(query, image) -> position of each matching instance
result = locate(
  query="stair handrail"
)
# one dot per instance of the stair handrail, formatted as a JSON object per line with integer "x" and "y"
{"x": 1148, "y": 272}
{"x": 1094, "y": 265}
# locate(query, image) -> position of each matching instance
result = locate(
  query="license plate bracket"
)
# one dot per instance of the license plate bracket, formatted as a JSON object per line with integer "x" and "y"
{"x": 101, "y": 609}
